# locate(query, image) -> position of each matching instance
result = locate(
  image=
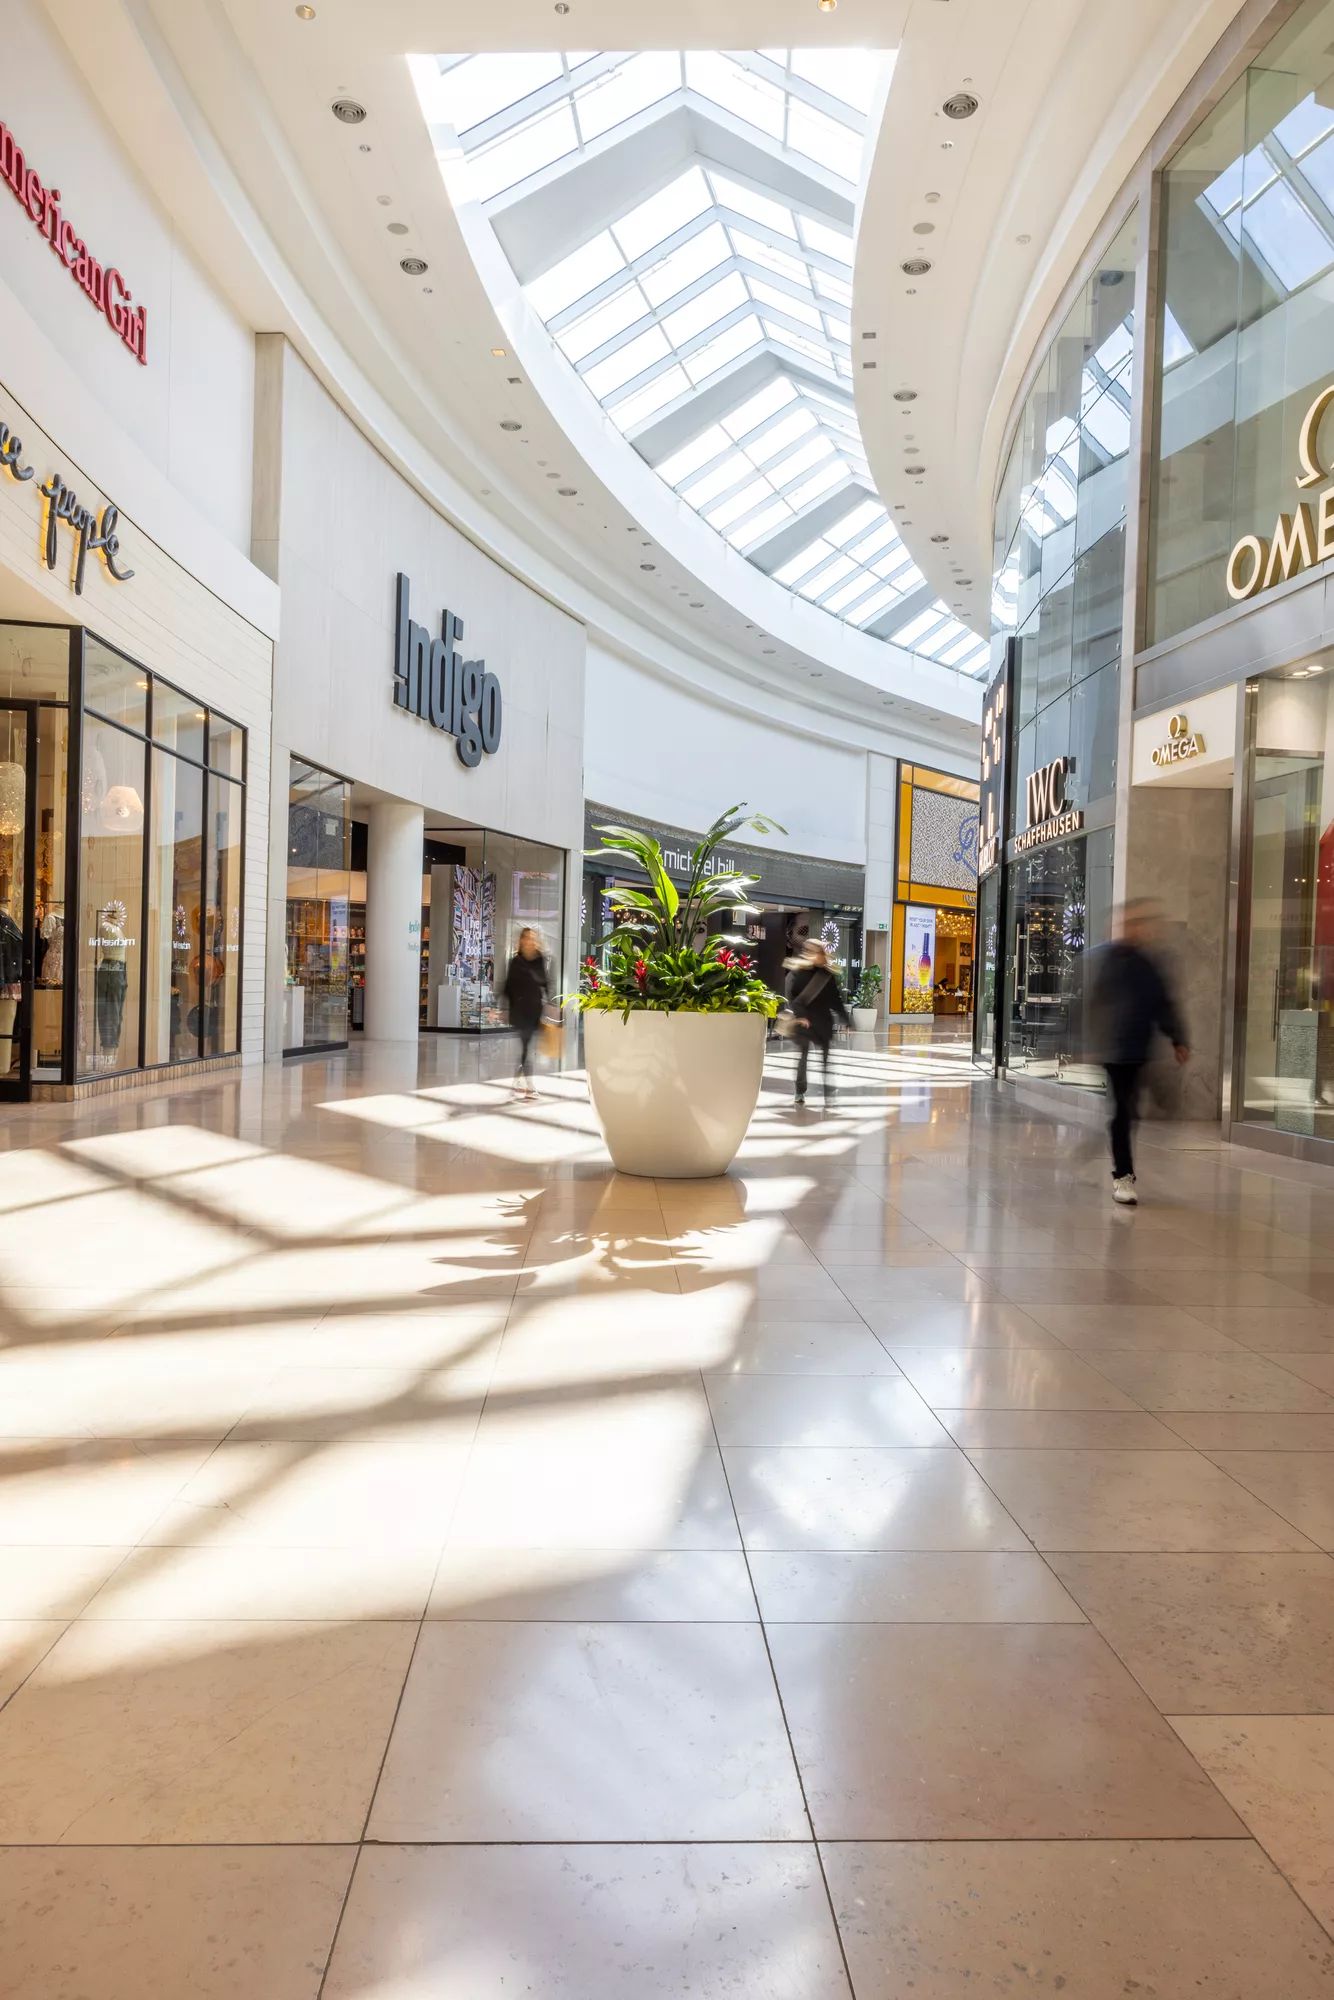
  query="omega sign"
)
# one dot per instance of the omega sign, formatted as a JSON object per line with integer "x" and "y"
{"x": 1299, "y": 539}
{"x": 1049, "y": 818}
{"x": 1182, "y": 744}
{"x": 102, "y": 285}
{"x": 433, "y": 680}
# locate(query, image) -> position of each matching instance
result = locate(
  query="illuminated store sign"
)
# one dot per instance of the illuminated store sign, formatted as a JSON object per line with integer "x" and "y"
{"x": 1300, "y": 539}
{"x": 1049, "y": 818}
{"x": 1182, "y": 744}
{"x": 102, "y": 285}
{"x": 432, "y": 680}
{"x": 991, "y": 805}
{"x": 91, "y": 530}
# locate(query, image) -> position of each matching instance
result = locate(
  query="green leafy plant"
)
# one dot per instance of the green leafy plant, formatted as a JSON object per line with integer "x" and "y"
{"x": 868, "y": 987}
{"x": 668, "y": 953}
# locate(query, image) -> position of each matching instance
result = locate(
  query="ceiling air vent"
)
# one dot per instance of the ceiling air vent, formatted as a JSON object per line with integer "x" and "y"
{"x": 915, "y": 267}
{"x": 348, "y": 112}
{"x": 962, "y": 105}
{"x": 414, "y": 266}
{"x": 905, "y": 395}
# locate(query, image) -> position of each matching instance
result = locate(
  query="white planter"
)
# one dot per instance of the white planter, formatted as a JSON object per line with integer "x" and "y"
{"x": 863, "y": 1019}
{"x": 674, "y": 1093}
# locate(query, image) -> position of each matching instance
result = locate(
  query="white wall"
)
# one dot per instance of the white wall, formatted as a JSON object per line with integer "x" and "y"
{"x": 656, "y": 748}
{"x": 189, "y": 410}
{"x": 334, "y": 523}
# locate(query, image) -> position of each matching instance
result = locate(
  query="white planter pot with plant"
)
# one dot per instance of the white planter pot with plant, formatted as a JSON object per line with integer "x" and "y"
{"x": 674, "y": 1017}
{"x": 866, "y": 1000}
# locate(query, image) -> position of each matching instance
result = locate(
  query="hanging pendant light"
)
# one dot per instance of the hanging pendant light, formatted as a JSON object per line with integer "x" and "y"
{"x": 13, "y": 798}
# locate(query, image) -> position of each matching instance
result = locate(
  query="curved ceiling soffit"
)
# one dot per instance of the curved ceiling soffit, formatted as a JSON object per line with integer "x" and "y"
{"x": 251, "y": 171}
{"x": 1020, "y": 190}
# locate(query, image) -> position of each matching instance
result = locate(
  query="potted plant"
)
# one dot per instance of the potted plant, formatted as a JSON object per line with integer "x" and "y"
{"x": 674, "y": 1016}
{"x": 866, "y": 999}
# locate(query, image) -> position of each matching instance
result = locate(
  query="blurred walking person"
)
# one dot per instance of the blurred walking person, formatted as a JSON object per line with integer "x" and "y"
{"x": 817, "y": 1005}
{"x": 527, "y": 989}
{"x": 1132, "y": 1000}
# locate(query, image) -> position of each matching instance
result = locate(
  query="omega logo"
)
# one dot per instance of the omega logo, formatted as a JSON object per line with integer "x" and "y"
{"x": 1182, "y": 744}
{"x": 1301, "y": 538}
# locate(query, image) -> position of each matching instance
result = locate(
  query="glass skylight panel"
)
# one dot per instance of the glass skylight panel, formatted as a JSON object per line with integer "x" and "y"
{"x": 727, "y": 347}
{"x": 848, "y": 593}
{"x": 829, "y": 573}
{"x": 854, "y": 524}
{"x": 604, "y": 378}
{"x": 740, "y": 503}
{"x": 613, "y": 316}
{"x": 832, "y": 288}
{"x": 651, "y": 221}
{"x": 872, "y": 606}
{"x": 654, "y": 396}
{"x": 610, "y": 99}
{"x": 1289, "y": 239}
{"x": 680, "y": 267}
{"x": 829, "y": 242}
{"x": 918, "y": 627}
{"x": 480, "y": 86}
{"x": 748, "y": 534}
{"x": 801, "y": 564}
{"x": 898, "y": 568}
{"x": 819, "y": 138}
{"x": 1108, "y": 423}
{"x": 1246, "y": 176}
{"x": 841, "y": 73}
{"x": 757, "y": 207}
{"x": 737, "y": 90}
{"x": 818, "y": 483}
{"x": 769, "y": 295}
{"x": 692, "y": 456}
{"x": 774, "y": 396}
{"x": 1304, "y": 125}
{"x": 777, "y": 440}
{"x": 812, "y": 453}
{"x": 960, "y": 651}
{"x": 736, "y": 466}
{"x": 575, "y": 276}
{"x": 1318, "y": 167}
{"x": 706, "y": 309}
{"x": 754, "y": 252}
{"x": 507, "y": 161}
{"x": 871, "y": 546}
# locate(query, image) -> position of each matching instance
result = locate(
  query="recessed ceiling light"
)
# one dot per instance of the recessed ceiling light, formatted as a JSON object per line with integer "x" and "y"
{"x": 347, "y": 111}
{"x": 515, "y": 381}
{"x": 428, "y": 289}
{"x": 499, "y": 353}
{"x": 1024, "y": 238}
{"x": 305, "y": 13}
{"x": 826, "y": 6}
{"x": 913, "y": 470}
{"x": 911, "y": 291}
{"x": 385, "y": 200}
{"x": 414, "y": 266}
{"x": 769, "y": 651}
{"x": 363, "y": 147}
{"x": 510, "y": 424}
{"x": 965, "y": 583}
{"x": 940, "y": 538}
{"x": 695, "y": 604}
{"x": 567, "y": 492}
{"x": 905, "y": 395}
{"x": 924, "y": 229}
{"x": 933, "y": 196}
{"x": 648, "y": 565}
{"x": 947, "y": 145}
{"x": 397, "y": 228}
{"x": 562, "y": 6}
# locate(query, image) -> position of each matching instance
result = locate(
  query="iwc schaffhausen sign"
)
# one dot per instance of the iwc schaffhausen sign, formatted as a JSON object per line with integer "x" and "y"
{"x": 1049, "y": 817}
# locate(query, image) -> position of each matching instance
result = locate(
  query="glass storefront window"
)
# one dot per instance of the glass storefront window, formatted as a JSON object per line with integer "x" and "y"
{"x": 175, "y": 885}
{"x": 226, "y": 746}
{"x": 1060, "y": 911}
{"x": 319, "y": 888}
{"x": 473, "y": 912}
{"x": 1285, "y": 1028}
{"x": 1247, "y": 284}
{"x": 113, "y": 687}
{"x": 178, "y": 722}
{"x": 222, "y": 919}
{"x": 111, "y": 898}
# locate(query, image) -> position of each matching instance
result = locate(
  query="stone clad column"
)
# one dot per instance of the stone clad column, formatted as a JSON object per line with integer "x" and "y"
{"x": 393, "y": 921}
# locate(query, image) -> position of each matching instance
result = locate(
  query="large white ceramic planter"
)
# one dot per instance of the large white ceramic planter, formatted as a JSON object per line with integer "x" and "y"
{"x": 863, "y": 1019}
{"x": 674, "y": 1093}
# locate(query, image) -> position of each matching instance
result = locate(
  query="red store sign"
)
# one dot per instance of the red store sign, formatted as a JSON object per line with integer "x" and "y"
{"x": 102, "y": 284}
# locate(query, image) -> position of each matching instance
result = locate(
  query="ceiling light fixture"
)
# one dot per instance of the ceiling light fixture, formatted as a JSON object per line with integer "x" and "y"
{"x": 940, "y": 538}
{"x": 510, "y": 424}
{"x": 363, "y": 147}
{"x": 397, "y": 228}
{"x": 915, "y": 267}
{"x": 499, "y": 353}
{"x": 932, "y": 197}
{"x": 1023, "y": 239}
{"x": 947, "y": 145}
{"x": 962, "y": 105}
{"x": 562, "y": 7}
{"x": 385, "y": 200}
{"x": 567, "y": 492}
{"x": 348, "y": 112}
{"x": 826, "y": 6}
{"x": 695, "y": 604}
{"x": 305, "y": 13}
{"x": 414, "y": 266}
{"x": 648, "y": 565}
{"x": 905, "y": 396}
{"x": 913, "y": 470}
{"x": 924, "y": 229}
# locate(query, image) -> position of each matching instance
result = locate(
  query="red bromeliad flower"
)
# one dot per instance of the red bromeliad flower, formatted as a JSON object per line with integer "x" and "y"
{"x": 641, "y": 970}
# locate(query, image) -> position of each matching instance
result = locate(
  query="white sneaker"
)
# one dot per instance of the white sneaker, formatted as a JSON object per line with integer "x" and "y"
{"x": 1123, "y": 1190}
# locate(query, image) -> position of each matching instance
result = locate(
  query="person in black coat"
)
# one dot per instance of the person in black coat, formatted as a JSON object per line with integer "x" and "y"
{"x": 817, "y": 1006}
{"x": 1131, "y": 1000}
{"x": 527, "y": 988}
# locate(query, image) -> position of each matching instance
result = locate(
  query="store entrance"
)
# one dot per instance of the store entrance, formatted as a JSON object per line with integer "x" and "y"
{"x": 18, "y": 804}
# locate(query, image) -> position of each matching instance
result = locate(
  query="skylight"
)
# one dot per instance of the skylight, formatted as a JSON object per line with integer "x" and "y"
{"x": 682, "y": 225}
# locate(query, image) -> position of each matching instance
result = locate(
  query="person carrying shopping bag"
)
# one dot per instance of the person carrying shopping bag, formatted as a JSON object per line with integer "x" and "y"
{"x": 817, "y": 1007}
{"x": 526, "y": 990}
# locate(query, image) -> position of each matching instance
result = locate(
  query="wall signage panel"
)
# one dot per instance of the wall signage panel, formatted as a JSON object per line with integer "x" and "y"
{"x": 92, "y": 531}
{"x": 102, "y": 285}
{"x": 1301, "y": 538}
{"x": 1049, "y": 817}
{"x": 433, "y": 680}
{"x": 1193, "y": 747}
{"x": 995, "y": 769}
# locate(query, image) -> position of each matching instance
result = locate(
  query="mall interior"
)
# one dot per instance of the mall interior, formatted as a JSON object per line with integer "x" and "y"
{"x": 443, "y": 1557}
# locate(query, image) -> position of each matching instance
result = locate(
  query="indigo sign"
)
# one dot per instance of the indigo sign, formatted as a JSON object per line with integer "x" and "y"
{"x": 433, "y": 680}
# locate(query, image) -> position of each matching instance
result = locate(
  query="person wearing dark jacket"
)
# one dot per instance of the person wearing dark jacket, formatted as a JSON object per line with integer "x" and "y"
{"x": 817, "y": 1004}
{"x": 1131, "y": 1001}
{"x": 527, "y": 988}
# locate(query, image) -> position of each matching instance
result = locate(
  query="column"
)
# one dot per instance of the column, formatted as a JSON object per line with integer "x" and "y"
{"x": 393, "y": 921}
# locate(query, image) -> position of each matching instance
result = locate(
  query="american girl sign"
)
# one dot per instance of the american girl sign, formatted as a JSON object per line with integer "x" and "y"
{"x": 102, "y": 284}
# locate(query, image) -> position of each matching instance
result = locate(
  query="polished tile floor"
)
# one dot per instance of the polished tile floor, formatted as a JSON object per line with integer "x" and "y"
{"x": 435, "y": 1568}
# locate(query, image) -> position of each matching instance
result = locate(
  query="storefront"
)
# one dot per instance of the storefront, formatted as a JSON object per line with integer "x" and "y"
{"x": 935, "y": 894}
{"x": 796, "y": 896}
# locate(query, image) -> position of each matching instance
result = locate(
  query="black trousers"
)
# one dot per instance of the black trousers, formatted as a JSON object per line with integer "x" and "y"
{"x": 805, "y": 1042}
{"x": 527, "y": 1030}
{"x": 1123, "y": 1080}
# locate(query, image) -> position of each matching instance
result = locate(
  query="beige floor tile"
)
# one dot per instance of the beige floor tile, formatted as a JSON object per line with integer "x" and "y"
{"x": 859, "y": 1498}
{"x": 1161, "y": 1328}
{"x": 929, "y": 1323}
{"x": 58, "y": 1490}
{"x": 1092, "y": 1919}
{"x": 1209, "y": 1635}
{"x": 24, "y": 1642}
{"x": 317, "y": 1496}
{"x": 1299, "y": 1485}
{"x": 583, "y": 1586}
{"x": 949, "y": 1732}
{"x": 409, "y": 1338}
{"x": 589, "y": 1923}
{"x": 45, "y": 1582}
{"x": 1277, "y": 1772}
{"x": 820, "y": 1410}
{"x": 1059, "y": 1430}
{"x": 1209, "y": 1382}
{"x": 1055, "y": 1286}
{"x": 806, "y": 1347}
{"x": 554, "y": 1342}
{"x": 1317, "y": 1369}
{"x": 246, "y": 1581}
{"x": 917, "y": 1285}
{"x": 1307, "y": 1329}
{"x": 1223, "y": 1287}
{"x": 1006, "y": 1379}
{"x": 588, "y": 1732}
{"x": 1132, "y": 1502}
{"x": 196, "y": 1732}
{"x": 364, "y": 1405}
{"x": 909, "y": 1588}
{"x": 202, "y": 1923}
{"x": 105, "y": 1400}
{"x": 1250, "y": 1430}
